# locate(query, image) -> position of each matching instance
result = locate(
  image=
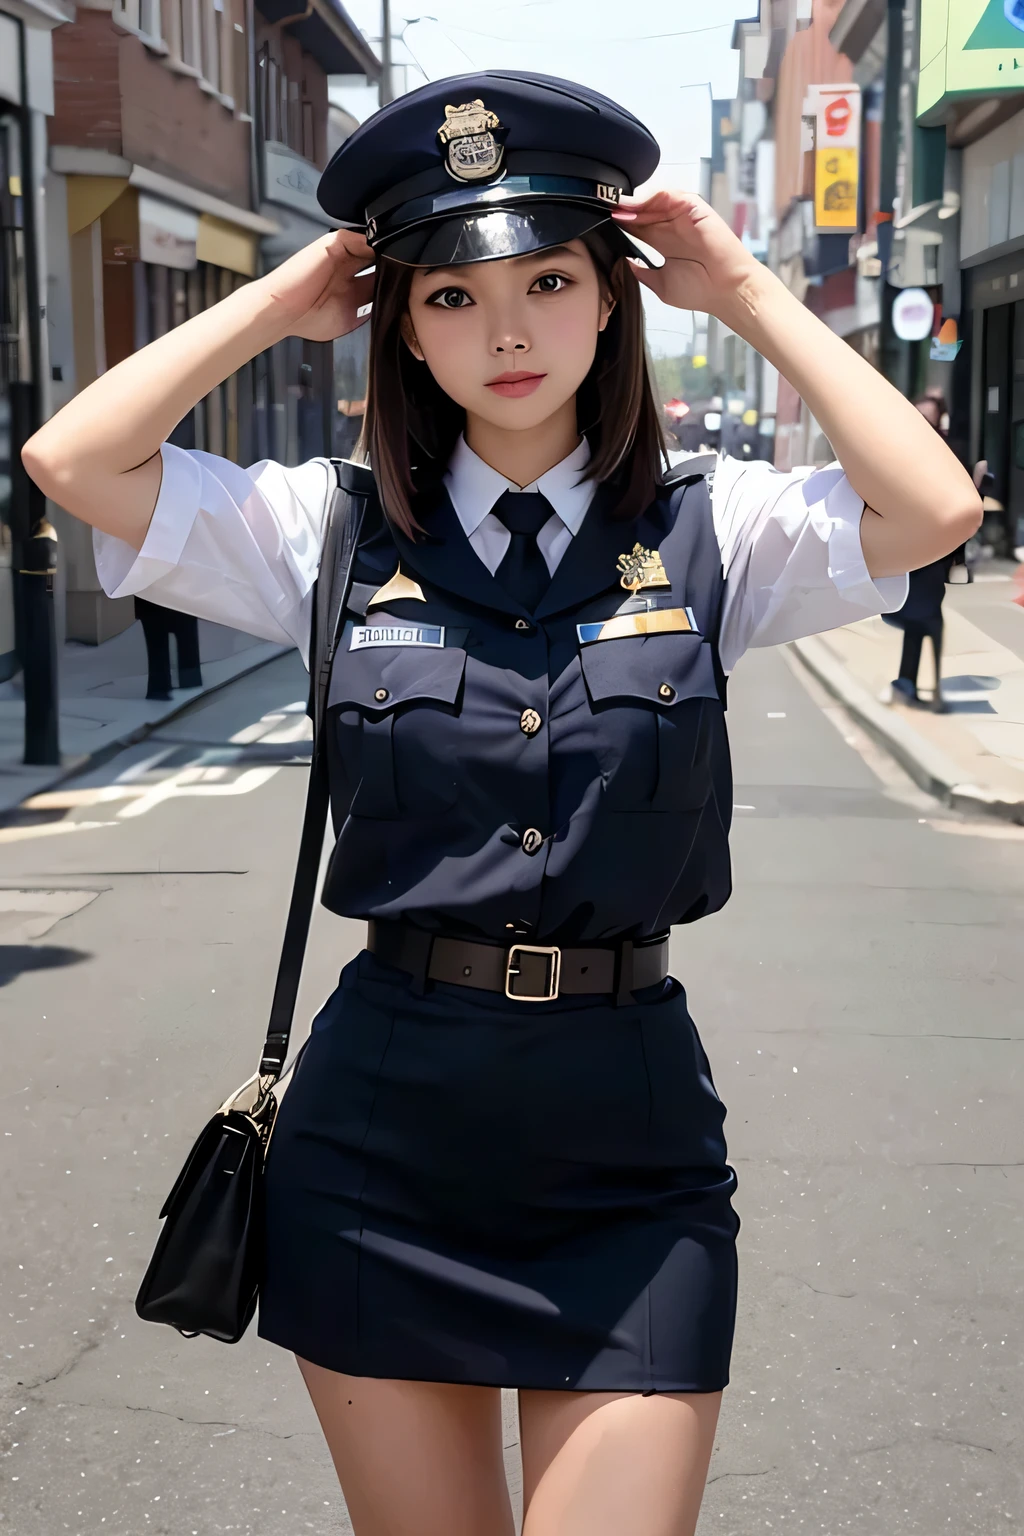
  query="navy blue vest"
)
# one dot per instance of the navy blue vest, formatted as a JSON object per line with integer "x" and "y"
{"x": 491, "y": 767}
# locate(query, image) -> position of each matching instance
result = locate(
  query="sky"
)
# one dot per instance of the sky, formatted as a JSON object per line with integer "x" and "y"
{"x": 662, "y": 59}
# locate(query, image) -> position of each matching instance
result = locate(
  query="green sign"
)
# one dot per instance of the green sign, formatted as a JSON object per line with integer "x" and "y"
{"x": 968, "y": 48}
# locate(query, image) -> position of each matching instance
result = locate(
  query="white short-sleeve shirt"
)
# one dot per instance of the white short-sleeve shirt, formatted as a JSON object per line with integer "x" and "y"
{"x": 242, "y": 546}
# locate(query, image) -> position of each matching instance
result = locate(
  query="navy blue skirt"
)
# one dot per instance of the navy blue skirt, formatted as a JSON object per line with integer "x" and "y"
{"x": 463, "y": 1189}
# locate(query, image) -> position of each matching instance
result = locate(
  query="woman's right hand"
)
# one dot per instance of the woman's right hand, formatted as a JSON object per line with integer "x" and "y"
{"x": 317, "y": 292}
{"x": 99, "y": 457}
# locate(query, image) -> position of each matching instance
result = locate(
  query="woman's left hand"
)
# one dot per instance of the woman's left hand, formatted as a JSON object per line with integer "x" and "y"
{"x": 706, "y": 266}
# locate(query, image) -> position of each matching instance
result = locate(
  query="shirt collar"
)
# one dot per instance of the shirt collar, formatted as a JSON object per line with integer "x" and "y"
{"x": 474, "y": 486}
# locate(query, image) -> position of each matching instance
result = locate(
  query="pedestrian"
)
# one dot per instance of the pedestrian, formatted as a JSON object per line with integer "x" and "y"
{"x": 500, "y": 1161}
{"x": 921, "y": 614}
{"x": 159, "y": 623}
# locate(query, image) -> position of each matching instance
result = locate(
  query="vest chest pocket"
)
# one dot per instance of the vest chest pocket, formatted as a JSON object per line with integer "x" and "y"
{"x": 395, "y": 711}
{"x": 663, "y": 688}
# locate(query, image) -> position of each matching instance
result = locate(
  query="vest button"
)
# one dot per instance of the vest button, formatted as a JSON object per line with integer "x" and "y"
{"x": 380, "y": 694}
{"x": 532, "y": 840}
{"x": 530, "y": 722}
{"x": 666, "y": 691}
{"x": 524, "y": 627}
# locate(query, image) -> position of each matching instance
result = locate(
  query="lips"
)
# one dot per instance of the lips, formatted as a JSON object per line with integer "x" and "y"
{"x": 513, "y": 386}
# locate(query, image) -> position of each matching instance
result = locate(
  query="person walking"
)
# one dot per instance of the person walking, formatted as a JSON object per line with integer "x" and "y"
{"x": 159, "y": 623}
{"x": 500, "y": 1161}
{"x": 921, "y": 614}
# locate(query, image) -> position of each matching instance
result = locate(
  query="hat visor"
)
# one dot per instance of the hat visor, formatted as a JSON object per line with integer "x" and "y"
{"x": 494, "y": 234}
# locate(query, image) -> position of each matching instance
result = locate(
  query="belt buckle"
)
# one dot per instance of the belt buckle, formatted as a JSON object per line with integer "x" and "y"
{"x": 554, "y": 971}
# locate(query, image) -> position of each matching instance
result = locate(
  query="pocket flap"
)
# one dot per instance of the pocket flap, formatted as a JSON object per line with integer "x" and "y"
{"x": 381, "y": 678}
{"x": 659, "y": 669}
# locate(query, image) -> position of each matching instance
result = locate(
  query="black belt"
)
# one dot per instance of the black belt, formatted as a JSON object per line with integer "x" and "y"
{"x": 527, "y": 973}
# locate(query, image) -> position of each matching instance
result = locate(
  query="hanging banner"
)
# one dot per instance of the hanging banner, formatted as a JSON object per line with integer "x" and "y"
{"x": 836, "y": 112}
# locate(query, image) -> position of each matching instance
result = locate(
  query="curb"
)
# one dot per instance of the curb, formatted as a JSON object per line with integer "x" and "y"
{"x": 930, "y": 768}
{"x": 74, "y": 766}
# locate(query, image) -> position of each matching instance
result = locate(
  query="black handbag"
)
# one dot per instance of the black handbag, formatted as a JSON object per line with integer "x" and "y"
{"x": 204, "y": 1275}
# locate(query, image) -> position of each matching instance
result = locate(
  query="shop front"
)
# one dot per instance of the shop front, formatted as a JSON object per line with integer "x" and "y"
{"x": 146, "y": 254}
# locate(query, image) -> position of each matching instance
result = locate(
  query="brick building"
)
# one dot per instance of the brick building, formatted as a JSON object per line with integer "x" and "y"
{"x": 184, "y": 148}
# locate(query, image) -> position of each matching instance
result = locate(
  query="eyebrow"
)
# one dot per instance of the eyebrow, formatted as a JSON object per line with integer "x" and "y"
{"x": 547, "y": 254}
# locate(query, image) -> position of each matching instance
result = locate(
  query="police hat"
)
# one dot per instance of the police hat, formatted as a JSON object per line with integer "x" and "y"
{"x": 477, "y": 167}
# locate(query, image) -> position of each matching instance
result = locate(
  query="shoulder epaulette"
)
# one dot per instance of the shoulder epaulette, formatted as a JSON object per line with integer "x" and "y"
{"x": 355, "y": 478}
{"x": 694, "y": 468}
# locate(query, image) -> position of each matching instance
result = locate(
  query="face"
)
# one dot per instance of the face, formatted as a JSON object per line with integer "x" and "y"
{"x": 511, "y": 340}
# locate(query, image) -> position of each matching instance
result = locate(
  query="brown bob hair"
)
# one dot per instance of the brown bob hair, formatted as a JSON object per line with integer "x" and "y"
{"x": 411, "y": 425}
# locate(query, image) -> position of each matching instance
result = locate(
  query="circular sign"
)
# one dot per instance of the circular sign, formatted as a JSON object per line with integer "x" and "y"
{"x": 913, "y": 314}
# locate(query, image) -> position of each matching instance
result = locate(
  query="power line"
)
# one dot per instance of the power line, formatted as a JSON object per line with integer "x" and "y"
{"x": 645, "y": 37}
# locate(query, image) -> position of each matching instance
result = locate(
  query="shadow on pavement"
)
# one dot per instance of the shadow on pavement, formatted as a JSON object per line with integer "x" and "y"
{"x": 16, "y": 958}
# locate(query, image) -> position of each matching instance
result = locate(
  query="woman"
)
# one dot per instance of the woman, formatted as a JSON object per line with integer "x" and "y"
{"x": 500, "y": 1161}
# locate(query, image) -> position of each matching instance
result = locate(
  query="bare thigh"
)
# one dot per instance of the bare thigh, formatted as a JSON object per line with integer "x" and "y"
{"x": 601, "y": 1463}
{"x": 414, "y": 1458}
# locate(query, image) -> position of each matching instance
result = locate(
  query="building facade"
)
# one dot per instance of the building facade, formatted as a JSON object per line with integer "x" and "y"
{"x": 186, "y": 138}
{"x": 971, "y": 97}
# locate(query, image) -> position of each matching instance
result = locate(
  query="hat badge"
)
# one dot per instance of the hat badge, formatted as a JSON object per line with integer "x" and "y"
{"x": 474, "y": 153}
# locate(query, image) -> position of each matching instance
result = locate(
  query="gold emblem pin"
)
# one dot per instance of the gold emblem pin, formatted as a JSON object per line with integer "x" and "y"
{"x": 474, "y": 154}
{"x": 643, "y": 568}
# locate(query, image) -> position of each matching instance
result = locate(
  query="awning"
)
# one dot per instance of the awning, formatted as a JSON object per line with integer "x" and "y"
{"x": 89, "y": 197}
{"x": 225, "y": 245}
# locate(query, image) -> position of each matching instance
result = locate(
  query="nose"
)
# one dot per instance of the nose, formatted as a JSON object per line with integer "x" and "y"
{"x": 507, "y": 344}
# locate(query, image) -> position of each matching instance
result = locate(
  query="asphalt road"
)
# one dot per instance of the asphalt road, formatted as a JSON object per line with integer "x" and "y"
{"x": 862, "y": 1003}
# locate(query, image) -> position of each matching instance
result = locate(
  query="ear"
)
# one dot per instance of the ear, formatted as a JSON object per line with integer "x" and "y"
{"x": 607, "y": 307}
{"x": 409, "y": 337}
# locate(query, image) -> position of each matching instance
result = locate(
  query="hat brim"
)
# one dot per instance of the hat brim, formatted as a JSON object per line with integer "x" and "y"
{"x": 494, "y": 234}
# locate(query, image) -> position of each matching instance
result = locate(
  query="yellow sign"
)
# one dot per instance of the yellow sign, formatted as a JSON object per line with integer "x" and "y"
{"x": 835, "y": 189}
{"x": 700, "y": 361}
{"x": 835, "y": 113}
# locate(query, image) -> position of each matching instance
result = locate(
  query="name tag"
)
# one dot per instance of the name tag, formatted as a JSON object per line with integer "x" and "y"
{"x": 657, "y": 621}
{"x": 366, "y": 635}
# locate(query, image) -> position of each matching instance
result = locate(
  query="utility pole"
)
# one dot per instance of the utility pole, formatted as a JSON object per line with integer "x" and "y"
{"x": 33, "y": 538}
{"x": 385, "y": 94}
{"x": 892, "y": 351}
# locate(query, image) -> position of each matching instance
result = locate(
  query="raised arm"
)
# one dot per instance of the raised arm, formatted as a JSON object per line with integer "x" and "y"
{"x": 920, "y": 503}
{"x": 99, "y": 457}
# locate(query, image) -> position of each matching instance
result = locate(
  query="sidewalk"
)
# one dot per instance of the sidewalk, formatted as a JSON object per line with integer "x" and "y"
{"x": 103, "y": 702}
{"x": 973, "y": 757}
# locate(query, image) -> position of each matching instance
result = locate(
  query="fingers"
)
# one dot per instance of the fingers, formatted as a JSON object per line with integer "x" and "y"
{"x": 658, "y": 208}
{"x": 649, "y": 277}
{"x": 349, "y": 246}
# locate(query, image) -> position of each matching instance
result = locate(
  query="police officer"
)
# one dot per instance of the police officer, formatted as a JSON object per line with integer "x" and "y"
{"x": 501, "y": 1160}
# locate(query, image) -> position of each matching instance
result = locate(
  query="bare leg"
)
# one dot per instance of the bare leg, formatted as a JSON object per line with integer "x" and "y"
{"x": 601, "y": 1463}
{"x": 414, "y": 1458}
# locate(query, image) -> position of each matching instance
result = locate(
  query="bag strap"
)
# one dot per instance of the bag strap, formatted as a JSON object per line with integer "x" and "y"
{"x": 346, "y": 516}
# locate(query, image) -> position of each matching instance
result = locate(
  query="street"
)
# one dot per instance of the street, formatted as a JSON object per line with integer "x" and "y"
{"x": 862, "y": 1003}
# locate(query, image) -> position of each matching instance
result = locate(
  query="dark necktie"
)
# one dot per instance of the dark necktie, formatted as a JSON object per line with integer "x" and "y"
{"x": 523, "y": 572}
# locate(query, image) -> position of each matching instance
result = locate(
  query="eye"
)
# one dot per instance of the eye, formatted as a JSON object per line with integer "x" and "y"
{"x": 450, "y": 298}
{"x": 550, "y": 282}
